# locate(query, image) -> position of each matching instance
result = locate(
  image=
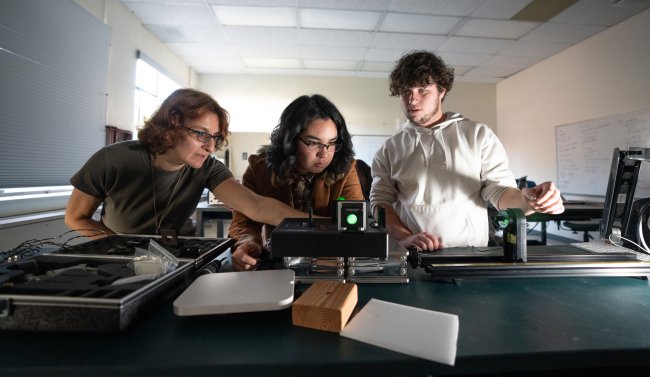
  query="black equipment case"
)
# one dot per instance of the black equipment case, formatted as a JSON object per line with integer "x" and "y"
{"x": 90, "y": 287}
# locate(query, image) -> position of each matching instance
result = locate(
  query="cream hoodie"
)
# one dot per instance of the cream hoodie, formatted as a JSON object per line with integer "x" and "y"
{"x": 440, "y": 179}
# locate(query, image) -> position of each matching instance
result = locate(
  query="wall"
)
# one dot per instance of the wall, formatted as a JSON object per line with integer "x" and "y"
{"x": 256, "y": 102}
{"x": 129, "y": 36}
{"x": 604, "y": 75}
{"x": 244, "y": 142}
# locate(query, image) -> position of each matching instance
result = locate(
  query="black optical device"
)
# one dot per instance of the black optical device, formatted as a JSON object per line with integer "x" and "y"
{"x": 347, "y": 234}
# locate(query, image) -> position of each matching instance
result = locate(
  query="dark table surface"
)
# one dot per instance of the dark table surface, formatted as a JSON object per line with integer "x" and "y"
{"x": 507, "y": 326}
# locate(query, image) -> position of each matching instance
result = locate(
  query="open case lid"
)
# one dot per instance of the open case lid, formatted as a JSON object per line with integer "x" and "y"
{"x": 237, "y": 292}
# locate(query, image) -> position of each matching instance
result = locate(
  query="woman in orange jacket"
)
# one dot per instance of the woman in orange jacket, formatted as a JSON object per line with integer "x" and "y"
{"x": 308, "y": 164}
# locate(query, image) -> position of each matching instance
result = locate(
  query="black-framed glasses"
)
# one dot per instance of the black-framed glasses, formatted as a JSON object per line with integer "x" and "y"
{"x": 315, "y": 146}
{"x": 205, "y": 137}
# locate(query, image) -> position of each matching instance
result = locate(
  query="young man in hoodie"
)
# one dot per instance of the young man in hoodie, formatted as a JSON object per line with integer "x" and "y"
{"x": 435, "y": 177}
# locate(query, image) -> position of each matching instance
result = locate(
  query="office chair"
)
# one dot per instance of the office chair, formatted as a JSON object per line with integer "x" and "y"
{"x": 583, "y": 226}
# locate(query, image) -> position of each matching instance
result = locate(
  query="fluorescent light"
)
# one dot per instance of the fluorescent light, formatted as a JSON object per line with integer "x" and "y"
{"x": 255, "y": 16}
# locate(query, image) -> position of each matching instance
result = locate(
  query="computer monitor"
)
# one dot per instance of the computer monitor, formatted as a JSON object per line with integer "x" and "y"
{"x": 619, "y": 218}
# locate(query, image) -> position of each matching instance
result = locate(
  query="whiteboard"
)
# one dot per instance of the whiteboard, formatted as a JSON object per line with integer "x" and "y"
{"x": 365, "y": 146}
{"x": 585, "y": 149}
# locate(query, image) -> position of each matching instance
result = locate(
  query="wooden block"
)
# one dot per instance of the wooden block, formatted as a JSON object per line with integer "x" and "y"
{"x": 326, "y": 305}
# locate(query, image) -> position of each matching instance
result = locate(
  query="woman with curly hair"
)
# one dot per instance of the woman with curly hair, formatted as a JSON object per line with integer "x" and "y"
{"x": 154, "y": 183}
{"x": 308, "y": 164}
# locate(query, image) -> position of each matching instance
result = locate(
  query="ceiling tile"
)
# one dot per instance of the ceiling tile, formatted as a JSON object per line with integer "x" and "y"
{"x": 444, "y": 7}
{"x": 345, "y": 65}
{"x": 538, "y": 49}
{"x": 271, "y": 63}
{"x": 598, "y": 12}
{"x": 476, "y": 37}
{"x": 384, "y": 55}
{"x": 256, "y": 16}
{"x": 506, "y": 61}
{"x": 323, "y": 37}
{"x": 260, "y": 36}
{"x": 248, "y": 3}
{"x": 496, "y": 72}
{"x": 376, "y": 5}
{"x": 172, "y": 13}
{"x": 419, "y": 24}
{"x": 468, "y": 59}
{"x": 561, "y": 33}
{"x": 406, "y": 41}
{"x": 460, "y": 70}
{"x": 202, "y": 49}
{"x": 499, "y": 9}
{"x": 475, "y": 45}
{"x": 338, "y": 19}
{"x": 495, "y": 28}
{"x": 377, "y": 66}
{"x": 338, "y": 53}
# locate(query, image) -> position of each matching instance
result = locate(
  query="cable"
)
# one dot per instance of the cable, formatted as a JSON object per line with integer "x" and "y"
{"x": 640, "y": 233}
{"x": 33, "y": 246}
{"x": 645, "y": 250}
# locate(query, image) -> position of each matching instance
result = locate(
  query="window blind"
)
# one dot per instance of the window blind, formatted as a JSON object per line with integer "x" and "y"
{"x": 53, "y": 87}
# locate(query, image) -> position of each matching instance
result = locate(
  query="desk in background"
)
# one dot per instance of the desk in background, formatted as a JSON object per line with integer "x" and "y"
{"x": 572, "y": 212}
{"x": 508, "y": 327}
{"x": 205, "y": 211}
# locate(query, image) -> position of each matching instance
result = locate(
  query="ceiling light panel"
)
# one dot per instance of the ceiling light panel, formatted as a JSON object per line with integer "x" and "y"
{"x": 256, "y": 16}
{"x": 476, "y": 27}
{"x": 419, "y": 24}
{"x": 338, "y": 19}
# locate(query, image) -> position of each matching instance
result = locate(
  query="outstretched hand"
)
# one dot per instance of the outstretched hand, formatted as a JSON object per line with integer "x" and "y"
{"x": 246, "y": 256}
{"x": 544, "y": 198}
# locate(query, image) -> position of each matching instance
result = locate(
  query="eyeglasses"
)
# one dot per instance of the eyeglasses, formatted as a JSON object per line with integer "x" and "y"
{"x": 314, "y": 146}
{"x": 205, "y": 137}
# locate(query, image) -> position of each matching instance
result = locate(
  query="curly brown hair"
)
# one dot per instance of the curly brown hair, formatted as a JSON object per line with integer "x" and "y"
{"x": 161, "y": 131}
{"x": 418, "y": 69}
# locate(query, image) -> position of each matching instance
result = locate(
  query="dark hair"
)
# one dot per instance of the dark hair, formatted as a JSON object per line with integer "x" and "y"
{"x": 162, "y": 129}
{"x": 281, "y": 153}
{"x": 365, "y": 178}
{"x": 419, "y": 69}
